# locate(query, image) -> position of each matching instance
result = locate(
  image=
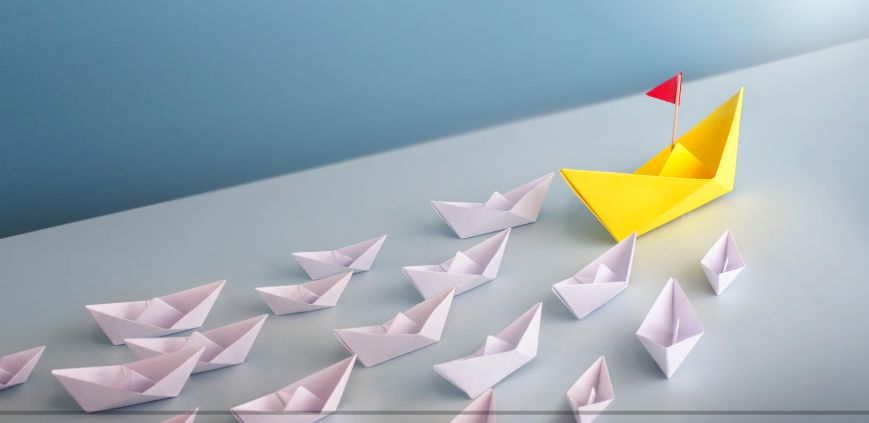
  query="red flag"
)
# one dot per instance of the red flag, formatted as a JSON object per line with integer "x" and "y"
{"x": 670, "y": 90}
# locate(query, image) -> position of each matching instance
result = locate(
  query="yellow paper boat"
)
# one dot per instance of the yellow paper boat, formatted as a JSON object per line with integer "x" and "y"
{"x": 698, "y": 170}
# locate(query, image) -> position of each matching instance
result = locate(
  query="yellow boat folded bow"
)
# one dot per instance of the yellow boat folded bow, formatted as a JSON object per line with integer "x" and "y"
{"x": 698, "y": 169}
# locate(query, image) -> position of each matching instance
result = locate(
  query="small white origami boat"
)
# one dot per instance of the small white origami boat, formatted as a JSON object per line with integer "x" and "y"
{"x": 591, "y": 393}
{"x": 500, "y": 356}
{"x": 467, "y": 270}
{"x": 310, "y": 296}
{"x": 410, "y": 330}
{"x": 160, "y": 316}
{"x": 671, "y": 329}
{"x": 188, "y": 417}
{"x": 722, "y": 263}
{"x": 224, "y": 346}
{"x": 598, "y": 282}
{"x": 516, "y": 207}
{"x": 357, "y": 258}
{"x": 480, "y": 410}
{"x": 151, "y": 379}
{"x": 15, "y": 368}
{"x": 307, "y": 400}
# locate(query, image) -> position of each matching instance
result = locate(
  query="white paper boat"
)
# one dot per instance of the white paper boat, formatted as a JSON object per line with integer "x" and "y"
{"x": 598, "y": 282}
{"x": 16, "y": 368}
{"x": 480, "y": 410}
{"x": 410, "y": 330}
{"x": 356, "y": 258}
{"x": 500, "y": 356}
{"x": 188, "y": 417}
{"x": 591, "y": 393}
{"x": 160, "y": 316}
{"x": 722, "y": 263}
{"x": 310, "y": 296}
{"x": 671, "y": 329}
{"x": 516, "y": 207}
{"x": 465, "y": 271}
{"x": 224, "y": 346}
{"x": 308, "y": 400}
{"x": 151, "y": 379}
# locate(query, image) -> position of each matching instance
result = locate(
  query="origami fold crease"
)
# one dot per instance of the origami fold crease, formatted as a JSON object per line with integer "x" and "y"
{"x": 224, "y": 346}
{"x": 160, "y": 316}
{"x": 671, "y": 329}
{"x": 592, "y": 392}
{"x": 516, "y": 207}
{"x": 357, "y": 258}
{"x": 410, "y": 330}
{"x": 599, "y": 281}
{"x": 310, "y": 296}
{"x": 16, "y": 368}
{"x": 467, "y": 270}
{"x": 700, "y": 168}
{"x": 106, "y": 387}
{"x": 723, "y": 263}
{"x": 307, "y": 400}
{"x": 499, "y": 356}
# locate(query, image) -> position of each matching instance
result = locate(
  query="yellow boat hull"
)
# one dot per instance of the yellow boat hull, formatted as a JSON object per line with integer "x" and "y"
{"x": 698, "y": 170}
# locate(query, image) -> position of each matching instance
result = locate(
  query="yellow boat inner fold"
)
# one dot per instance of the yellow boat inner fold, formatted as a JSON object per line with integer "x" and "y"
{"x": 700, "y": 168}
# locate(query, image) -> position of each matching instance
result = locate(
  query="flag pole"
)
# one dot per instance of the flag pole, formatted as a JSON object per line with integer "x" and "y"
{"x": 676, "y": 111}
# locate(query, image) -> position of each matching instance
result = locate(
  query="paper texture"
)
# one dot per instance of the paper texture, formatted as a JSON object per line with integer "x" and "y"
{"x": 591, "y": 393}
{"x": 357, "y": 258}
{"x": 598, "y": 282}
{"x": 184, "y": 418}
{"x": 310, "y": 296}
{"x": 410, "y": 330}
{"x": 499, "y": 356}
{"x": 224, "y": 346}
{"x": 723, "y": 263}
{"x": 671, "y": 329}
{"x": 160, "y": 316}
{"x": 699, "y": 169}
{"x": 307, "y": 400}
{"x": 151, "y": 379}
{"x": 480, "y": 410}
{"x": 15, "y": 368}
{"x": 516, "y": 207}
{"x": 467, "y": 270}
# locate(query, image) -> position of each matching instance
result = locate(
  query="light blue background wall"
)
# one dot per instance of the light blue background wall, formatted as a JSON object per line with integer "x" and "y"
{"x": 109, "y": 105}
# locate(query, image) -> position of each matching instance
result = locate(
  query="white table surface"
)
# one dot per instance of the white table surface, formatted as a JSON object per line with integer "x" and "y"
{"x": 789, "y": 336}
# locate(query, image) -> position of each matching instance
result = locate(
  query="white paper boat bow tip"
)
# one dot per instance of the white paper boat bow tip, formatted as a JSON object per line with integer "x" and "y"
{"x": 499, "y": 356}
{"x": 356, "y": 258}
{"x": 188, "y": 417}
{"x": 410, "y": 330}
{"x": 598, "y": 282}
{"x": 516, "y": 207}
{"x": 467, "y": 270}
{"x": 16, "y": 368}
{"x": 310, "y": 296}
{"x": 224, "y": 346}
{"x": 307, "y": 400}
{"x": 723, "y": 263}
{"x": 151, "y": 379}
{"x": 671, "y": 329}
{"x": 159, "y": 316}
{"x": 591, "y": 393}
{"x": 480, "y": 410}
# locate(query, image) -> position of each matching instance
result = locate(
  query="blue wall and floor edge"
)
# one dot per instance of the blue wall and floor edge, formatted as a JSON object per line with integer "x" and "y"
{"x": 112, "y": 105}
